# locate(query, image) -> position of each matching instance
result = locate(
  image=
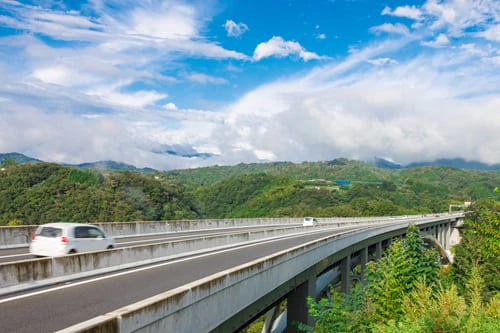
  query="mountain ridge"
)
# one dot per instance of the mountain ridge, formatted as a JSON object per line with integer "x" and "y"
{"x": 459, "y": 163}
{"x": 108, "y": 165}
{"x": 382, "y": 163}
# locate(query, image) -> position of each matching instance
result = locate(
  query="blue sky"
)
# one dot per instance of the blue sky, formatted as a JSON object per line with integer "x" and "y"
{"x": 250, "y": 81}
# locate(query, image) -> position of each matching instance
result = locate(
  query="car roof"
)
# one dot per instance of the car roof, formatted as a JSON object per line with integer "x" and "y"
{"x": 66, "y": 225}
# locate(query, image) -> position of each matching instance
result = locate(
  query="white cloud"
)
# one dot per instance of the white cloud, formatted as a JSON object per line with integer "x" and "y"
{"x": 159, "y": 27}
{"x": 76, "y": 101}
{"x": 491, "y": 34}
{"x": 397, "y": 28}
{"x": 234, "y": 29}
{"x": 440, "y": 41}
{"x": 278, "y": 47}
{"x": 321, "y": 36}
{"x": 382, "y": 61}
{"x": 136, "y": 99}
{"x": 203, "y": 78}
{"x": 170, "y": 106}
{"x": 65, "y": 76}
{"x": 419, "y": 109}
{"x": 168, "y": 21}
{"x": 411, "y": 12}
{"x": 457, "y": 16}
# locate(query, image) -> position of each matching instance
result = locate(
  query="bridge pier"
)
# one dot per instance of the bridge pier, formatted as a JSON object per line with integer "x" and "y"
{"x": 297, "y": 309}
{"x": 271, "y": 316}
{"x": 345, "y": 274}
{"x": 364, "y": 259}
{"x": 378, "y": 250}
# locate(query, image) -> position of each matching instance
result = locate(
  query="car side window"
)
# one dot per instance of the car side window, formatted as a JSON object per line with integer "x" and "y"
{"x": 95, "y": 233}
{"x": 81, "y": 232}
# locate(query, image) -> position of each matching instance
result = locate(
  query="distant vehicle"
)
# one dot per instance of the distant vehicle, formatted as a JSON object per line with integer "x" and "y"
{"x": 58, "y": 239}
{"x": 308, "y": 221}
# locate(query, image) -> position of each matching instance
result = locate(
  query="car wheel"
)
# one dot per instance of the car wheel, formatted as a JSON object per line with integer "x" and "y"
{"x": 72, "y": 251}
{"x": 110, "y": 247}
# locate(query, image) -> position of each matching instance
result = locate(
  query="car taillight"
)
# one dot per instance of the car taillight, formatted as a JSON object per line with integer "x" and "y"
{"x": 33, "y": 237}
{"x": 64, "y": 239}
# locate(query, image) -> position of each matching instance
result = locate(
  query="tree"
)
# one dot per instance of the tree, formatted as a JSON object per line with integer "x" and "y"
{"x": 480, "y": 246}
{"x": 8, "y": 162}
{"x": 444, "y": 310}
{"x": 381, "y": 298}
{"x": 397, "y": 273}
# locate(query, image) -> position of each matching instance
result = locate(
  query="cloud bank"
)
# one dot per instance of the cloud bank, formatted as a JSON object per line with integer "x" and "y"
{"x": 93, "y": 84}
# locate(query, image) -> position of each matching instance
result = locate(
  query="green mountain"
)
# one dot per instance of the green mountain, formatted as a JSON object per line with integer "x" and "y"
{"x": 110, "y": 165}
{"x": 46, "y": 192}
{"x": 457, "y": 163}
{"x": 18, "y": 158}
{"x": 338, "y": 169}
{"x": 104, "y": 165}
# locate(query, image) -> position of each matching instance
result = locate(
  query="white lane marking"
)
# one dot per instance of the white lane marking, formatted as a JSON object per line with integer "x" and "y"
{"x": 40, "y": 292}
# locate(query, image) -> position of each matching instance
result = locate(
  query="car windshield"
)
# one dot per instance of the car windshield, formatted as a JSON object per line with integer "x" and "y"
{"x": 51, "y": 232}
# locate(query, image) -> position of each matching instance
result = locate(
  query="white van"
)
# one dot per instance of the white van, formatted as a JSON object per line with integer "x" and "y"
{"x": 58, "y": 239}
{"x": 308, "y": 221}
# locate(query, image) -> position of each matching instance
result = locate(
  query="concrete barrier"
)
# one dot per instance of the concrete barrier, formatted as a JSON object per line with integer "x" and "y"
{"x": 26, "y": 274}
{"x": 19, "y": 236}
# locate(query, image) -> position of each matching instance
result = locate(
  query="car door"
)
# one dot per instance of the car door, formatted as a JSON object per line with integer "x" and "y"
{"x": 97, "y": 239}
{"x": 81, "y": 239}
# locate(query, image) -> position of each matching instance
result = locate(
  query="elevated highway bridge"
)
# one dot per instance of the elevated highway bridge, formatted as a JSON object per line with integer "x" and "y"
{"x": 207, "y": 282}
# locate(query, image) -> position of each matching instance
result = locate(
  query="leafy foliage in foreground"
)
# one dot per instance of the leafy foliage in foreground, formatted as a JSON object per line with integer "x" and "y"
{"x": 480, "y": 246}
{"x": 404, "y": 294}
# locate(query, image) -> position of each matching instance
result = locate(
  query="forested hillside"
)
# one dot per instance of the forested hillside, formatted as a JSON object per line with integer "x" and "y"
{"x": 42, "y": 193}
{"x": 340, "y": 168}
{"x": 45, "y": 192}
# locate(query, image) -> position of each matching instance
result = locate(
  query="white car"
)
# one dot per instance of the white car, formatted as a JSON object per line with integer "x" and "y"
{"x": 308, "y": 221}
{"x": 58, "y": 239}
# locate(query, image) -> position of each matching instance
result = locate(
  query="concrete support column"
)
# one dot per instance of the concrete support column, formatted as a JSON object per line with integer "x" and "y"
{"x": 270, "y": 318}
{"x": 297, "y": 311}
{"x": 364, "y": 259}
{"x": 445, "y": 236}
{"x": 378, "y": 250}
{"x": 389, "y": 242}
{"x": 443, "y": 233}
{"x": 345, "y": 274}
